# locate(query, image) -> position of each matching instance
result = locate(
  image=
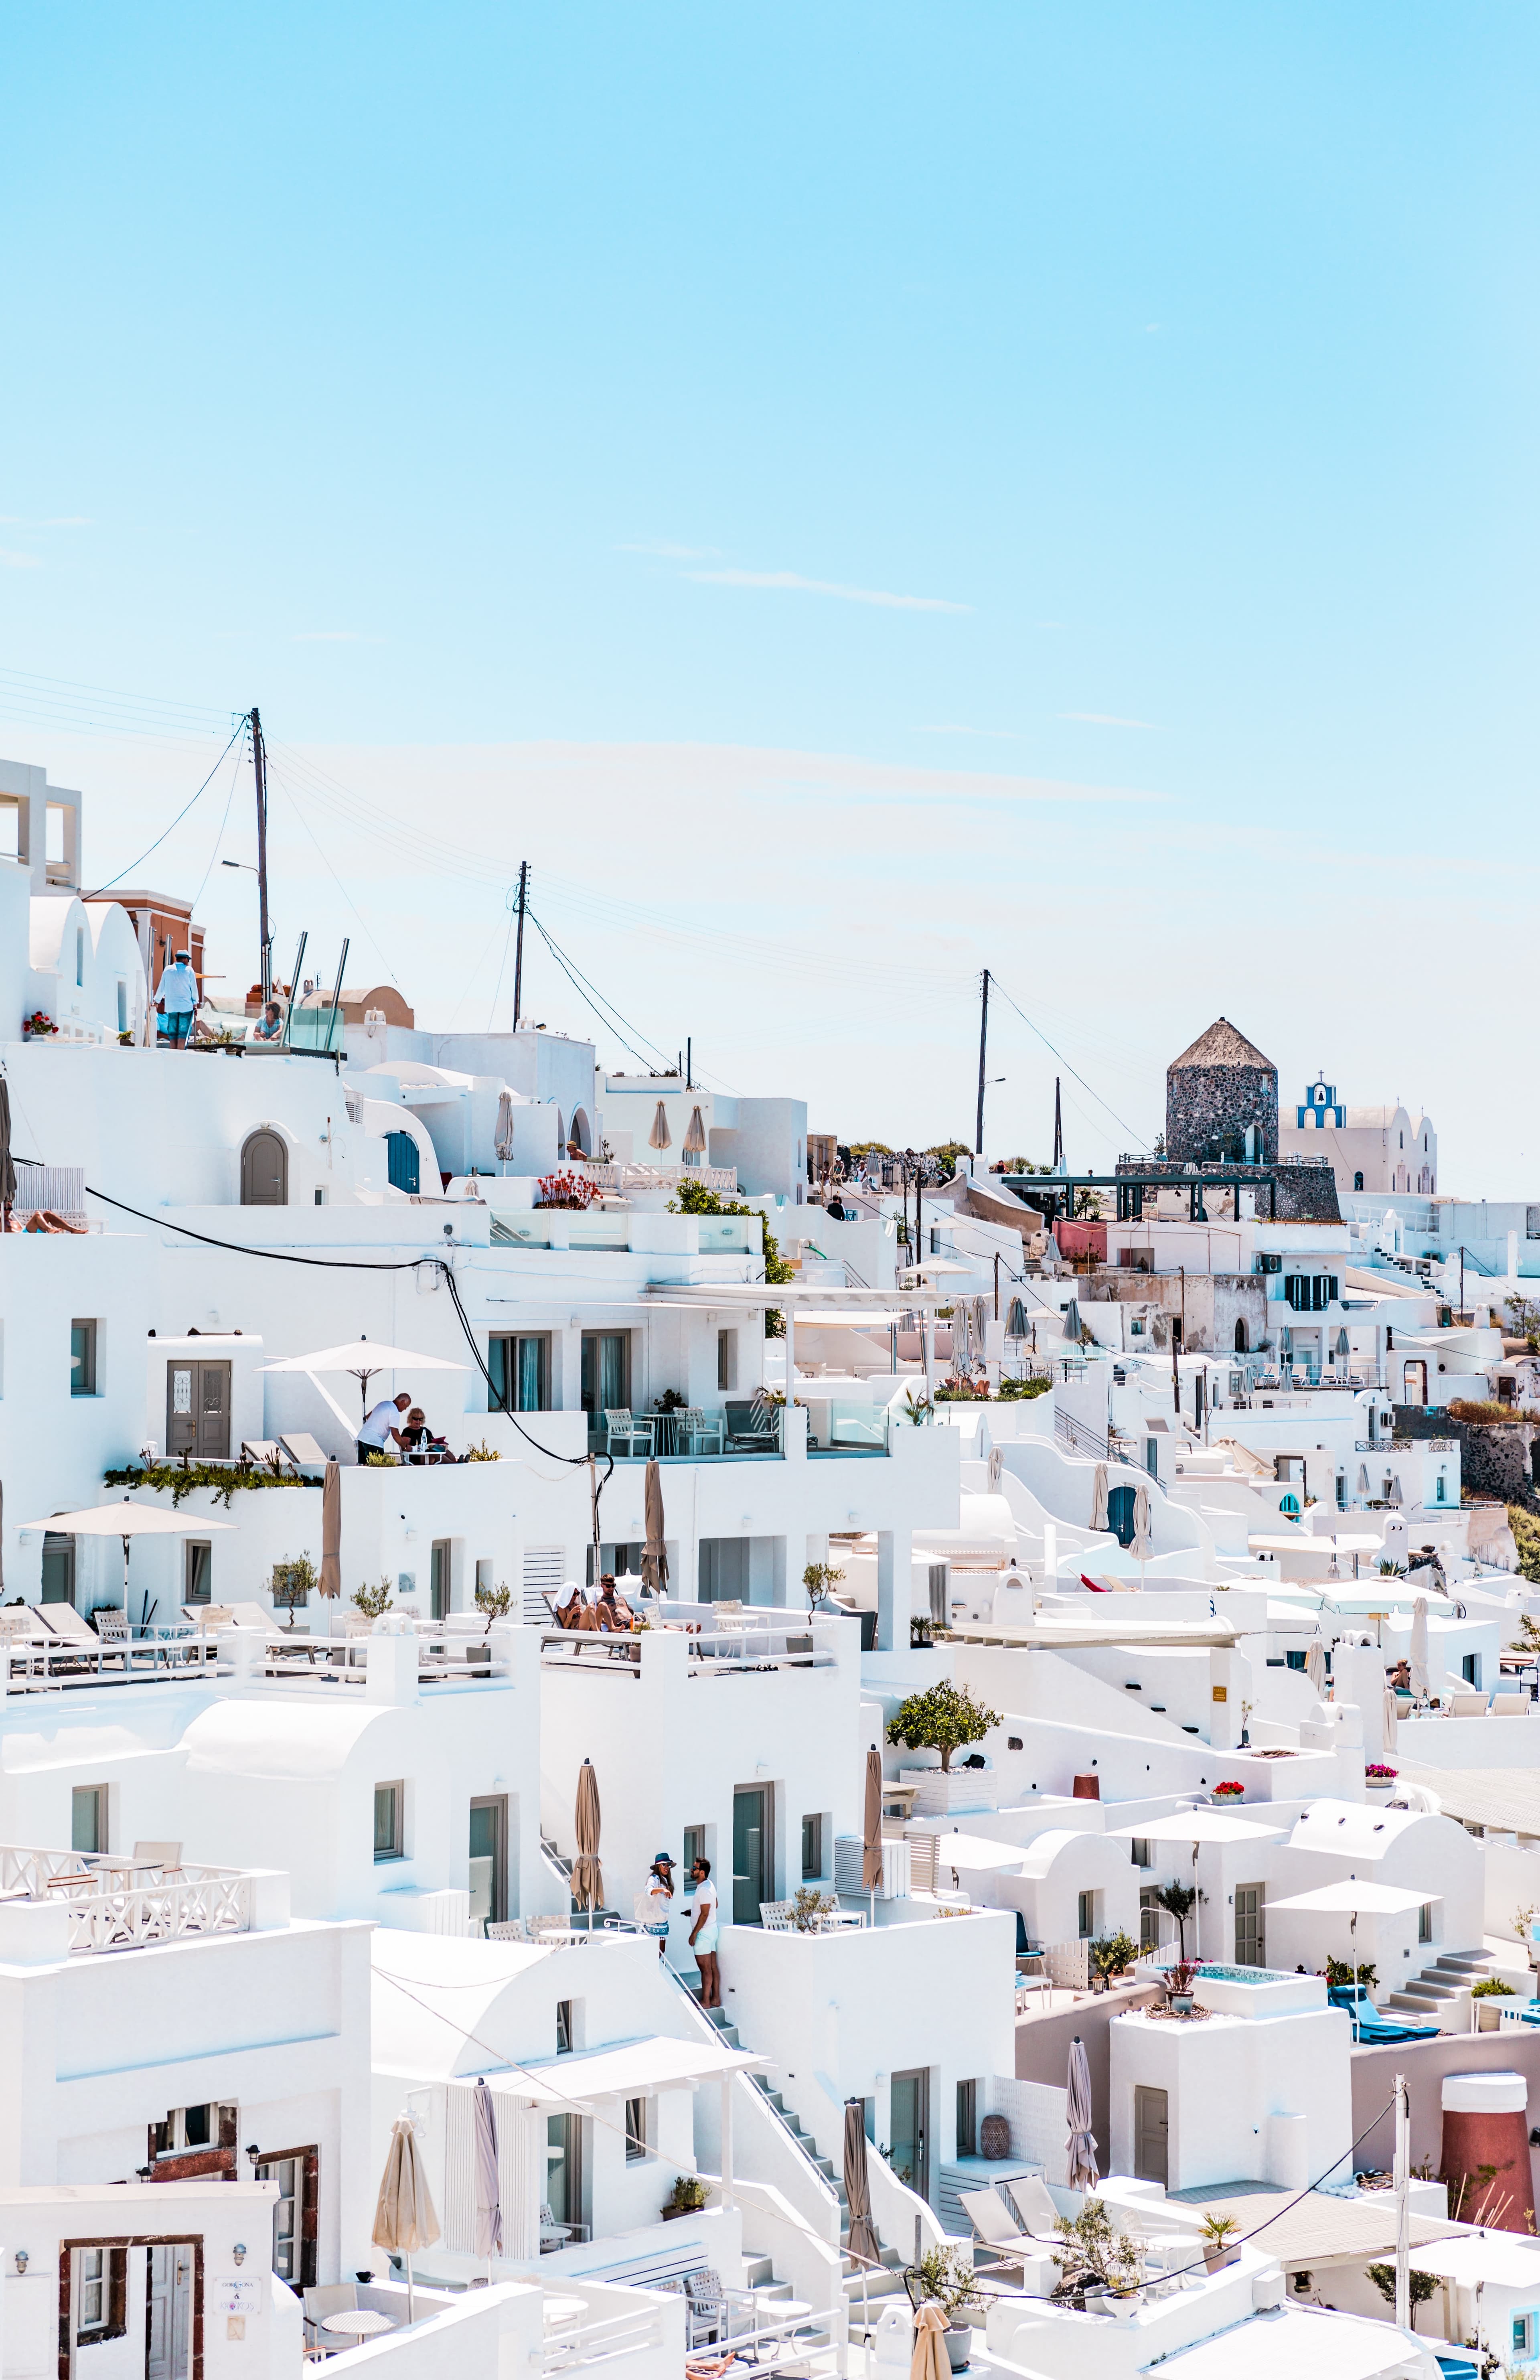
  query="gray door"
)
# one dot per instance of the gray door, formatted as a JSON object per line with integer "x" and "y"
{"x": 1150, "y": 2133}
{"x": 1250, "y": 1936}
{"x": 197, "y": 1411}
{"x": 909, "y": 2125}
{"x": 170, "y": 2322}
{"x": 265, "y": 1172}
{"x": 751, "y": 1853}
{"x": 489, "y": 1860}
{"x": 58, "y": 1567}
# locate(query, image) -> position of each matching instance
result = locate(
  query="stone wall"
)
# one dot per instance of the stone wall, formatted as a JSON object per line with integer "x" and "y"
{"x": 1496, "y": 1458}
{"x": 1205, "y": 1101}
{"x": 1209, "y": 1304}
{"x": 1307, "y": 1193}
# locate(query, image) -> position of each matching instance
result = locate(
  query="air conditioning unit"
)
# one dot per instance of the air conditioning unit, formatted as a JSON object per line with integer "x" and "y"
{"x": 1270, "y": 1260}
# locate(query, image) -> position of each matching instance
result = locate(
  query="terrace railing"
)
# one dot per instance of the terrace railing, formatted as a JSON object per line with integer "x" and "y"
{"x": 121, "y": 1904}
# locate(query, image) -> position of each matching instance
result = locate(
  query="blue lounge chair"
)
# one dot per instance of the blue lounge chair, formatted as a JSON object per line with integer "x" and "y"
{"x": 1370, "y": 2030}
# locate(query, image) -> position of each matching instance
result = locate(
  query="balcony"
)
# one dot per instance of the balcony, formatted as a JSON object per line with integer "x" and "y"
{"x": 719, "y": 1642}
{"x": 115, "y": 1903}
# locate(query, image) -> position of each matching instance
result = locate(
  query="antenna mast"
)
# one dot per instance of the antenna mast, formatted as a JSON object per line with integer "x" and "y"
{"x": 258, "y": 762}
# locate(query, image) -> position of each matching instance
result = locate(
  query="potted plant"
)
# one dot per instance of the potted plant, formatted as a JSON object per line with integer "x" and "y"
{"x": 38, "y": 1027}
{"x": 1217, "y": 2250}
{"x": 688, "y": 2195}
{"x": 1112, "y": 1954}
{"x": 1093, "y": 2261}
{"x": 944, "y": 2275}
{"x": 1179, "y": 1986}
{"x": 819, "y": 1579}
{"x": 1230, "y": 1791}
{"x": 1178, "y": 1901}
{"x": 1378, "y": 1780}
{"x": 943, "y": 1719}
{"x": 809, "y": 1909}
{"x": 375, "y": 1601}
{"x": 291, "y": 1586}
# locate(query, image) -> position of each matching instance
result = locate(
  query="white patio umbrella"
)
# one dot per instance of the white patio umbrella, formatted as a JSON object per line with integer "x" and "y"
{"x": 489, "y": 2189}
{"x": 1314, "y": 1664}
{"x": 694, "y": 1143}
{"x": 1098, "y": 1497}
{"x": 1419, "y": 1648}
{"x": 363, "y": 1357}
{"x": 1353, "y": 1898}
{"x": 503, "y": 1139}
{"x": 1077, "y": 2109}
{"x": 127, "y": 1521}
{"x": 403, "y": 2216}
{"x": 661, "y": 1136}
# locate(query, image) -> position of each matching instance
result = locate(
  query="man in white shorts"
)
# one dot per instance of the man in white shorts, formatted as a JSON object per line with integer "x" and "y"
{"x": 703, "y": 1934}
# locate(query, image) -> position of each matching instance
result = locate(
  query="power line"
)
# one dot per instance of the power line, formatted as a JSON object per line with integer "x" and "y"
{"x": 1063, "y": 1061}
{"x": 176, "y": 822}
{"x": 584, "y": 996}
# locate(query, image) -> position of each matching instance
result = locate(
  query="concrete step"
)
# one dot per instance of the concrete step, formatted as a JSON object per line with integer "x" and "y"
{"x": 757, "y": 2271}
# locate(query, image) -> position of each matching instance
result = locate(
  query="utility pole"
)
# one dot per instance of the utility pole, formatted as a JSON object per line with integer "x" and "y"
{"x": 518, "y": 947}
{"x": 1058, "y": 1131}
{"x": 983, "y": 1045}
{"x": 259, "y": 763}
{"x": 690, "y": 1063}
{"x": 1403, "y": 2232}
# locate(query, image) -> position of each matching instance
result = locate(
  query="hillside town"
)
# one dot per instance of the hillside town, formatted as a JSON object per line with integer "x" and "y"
{"x": 1095, "y": 1924}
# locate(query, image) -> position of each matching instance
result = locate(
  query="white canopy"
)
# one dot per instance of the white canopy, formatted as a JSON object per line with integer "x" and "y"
{"x": 1196, "y": 1827}
{"x": 128, "y": 1520}
{"x": 1351, "y": 1899}
{"x": 364, "y": 1356}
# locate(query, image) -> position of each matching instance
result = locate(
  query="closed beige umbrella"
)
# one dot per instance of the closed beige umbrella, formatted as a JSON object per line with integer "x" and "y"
{"x": 655, "y": 1553}
{"x": 661, "y": 1136}
{"x": 694, "y": 1137}
{"x": 404, "y": 2217}
{"x": 1098, "y": 1497}
{"x": 871, "y": 1833}
{"x": 929, "y": 2360}
{"x": 862, "y": 2239}
{"x": 330, "y": 1582}
{"x": 588, "y": 1876}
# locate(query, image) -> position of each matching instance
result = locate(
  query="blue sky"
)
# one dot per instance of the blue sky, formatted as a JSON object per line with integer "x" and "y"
{"x": 854, "y": 496}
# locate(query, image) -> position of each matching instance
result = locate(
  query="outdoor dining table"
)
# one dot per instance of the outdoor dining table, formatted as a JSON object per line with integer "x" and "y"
{"x": 358, "y": 2322}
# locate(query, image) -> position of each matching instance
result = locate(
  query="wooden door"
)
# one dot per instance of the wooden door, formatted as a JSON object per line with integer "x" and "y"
{"x": 1250, "y": 1938}
{"x": 1151, "y": 2133}
{"x": 198, "y": 1410}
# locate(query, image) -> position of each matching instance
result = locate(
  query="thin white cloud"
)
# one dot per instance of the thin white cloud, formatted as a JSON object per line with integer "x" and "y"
{"x": 1105, "y": 719}
{"x": 68, "y": 520}
{"x": 328, "y": 636}
{"x": 663, "y": 552}
{"x": 9, "y": 561}
{"x": 792, "y": 582}
{"x": 993, "y": 734}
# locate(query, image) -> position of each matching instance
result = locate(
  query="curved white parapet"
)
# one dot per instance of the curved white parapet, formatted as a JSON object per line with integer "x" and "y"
{"x": 1499, "y": 2093}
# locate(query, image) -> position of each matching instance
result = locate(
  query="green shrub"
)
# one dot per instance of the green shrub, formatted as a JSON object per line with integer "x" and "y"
{"x": 941, "y": 1720}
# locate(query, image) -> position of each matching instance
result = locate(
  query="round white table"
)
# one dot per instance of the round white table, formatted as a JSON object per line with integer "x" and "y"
{"x": 358, "y": 2322}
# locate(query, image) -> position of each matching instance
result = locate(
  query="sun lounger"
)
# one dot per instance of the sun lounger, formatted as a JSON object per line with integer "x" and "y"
{"x": 302, "y": 1449}
{"x": 1370, "y": 2029}
{"x": 1039, "y": 2215}
{"x": 986, "y": 2213}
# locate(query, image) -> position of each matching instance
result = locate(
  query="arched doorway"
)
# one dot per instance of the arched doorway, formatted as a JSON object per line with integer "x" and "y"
{"x": 580, "y": 1132}
{"x": 264, "y": 1170}
{"x": 1241, "y": 1347}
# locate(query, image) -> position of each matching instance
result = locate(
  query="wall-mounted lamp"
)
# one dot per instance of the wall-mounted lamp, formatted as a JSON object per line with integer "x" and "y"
{"x": 22, "y": 2261}
{"x": 252, "y": 2151}
{"x": 238, "y": 2251}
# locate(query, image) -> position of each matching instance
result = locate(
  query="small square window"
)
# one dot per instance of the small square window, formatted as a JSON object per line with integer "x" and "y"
{"x": 727, "y": 1359}
{"x": 1139, "y": 1848}
{"x": 388, "y": 1800}
{"x": 1085, "y": 1909}
{"x": 566, "y": 2029}
{"x": 82, "y": 1359}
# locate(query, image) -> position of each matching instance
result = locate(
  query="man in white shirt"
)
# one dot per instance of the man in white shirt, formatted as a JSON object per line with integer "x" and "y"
{"x": 703, "y": 1934}
{"x": 178, "y": 999}
{"x": 377, "y": 1431}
